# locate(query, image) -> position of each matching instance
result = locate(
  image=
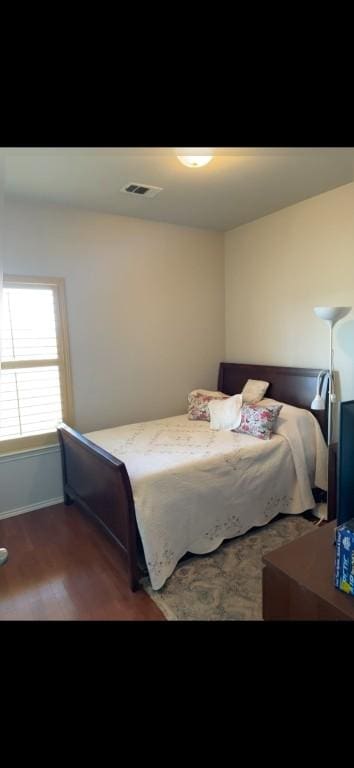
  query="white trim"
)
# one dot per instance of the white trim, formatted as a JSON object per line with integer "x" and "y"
{"x": 31, "y": 507}
{"x": 30, "y": 453}
{"x": 62, "y": 361}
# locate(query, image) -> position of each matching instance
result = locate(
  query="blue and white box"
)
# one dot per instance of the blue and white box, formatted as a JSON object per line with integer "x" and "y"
{"x": 344, "y": 579}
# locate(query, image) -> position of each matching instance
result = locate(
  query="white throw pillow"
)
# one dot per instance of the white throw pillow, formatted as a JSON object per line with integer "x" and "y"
{"x": 254, "y": 390}
{"x": 225, "y": 414}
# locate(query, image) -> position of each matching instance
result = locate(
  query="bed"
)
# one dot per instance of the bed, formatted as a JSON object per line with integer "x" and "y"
{"x": 170, "y": 486}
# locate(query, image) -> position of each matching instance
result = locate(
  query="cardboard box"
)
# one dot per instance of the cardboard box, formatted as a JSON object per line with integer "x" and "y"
{"x": 344, "y": 576}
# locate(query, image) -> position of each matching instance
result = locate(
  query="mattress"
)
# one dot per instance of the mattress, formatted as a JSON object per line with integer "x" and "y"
{"x": 194, "y": 487}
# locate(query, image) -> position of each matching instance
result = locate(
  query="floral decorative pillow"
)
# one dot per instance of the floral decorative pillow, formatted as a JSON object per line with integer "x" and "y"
{"x": 254, "y": 390}
{"x": 198, "y": 403}
{"x": 259, "y": 421}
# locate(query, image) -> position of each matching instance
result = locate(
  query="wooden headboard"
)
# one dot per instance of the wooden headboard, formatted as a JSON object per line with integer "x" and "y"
{"x": 295, "y": 386}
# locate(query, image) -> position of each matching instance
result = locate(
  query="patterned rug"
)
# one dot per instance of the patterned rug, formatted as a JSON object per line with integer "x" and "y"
{"x": 227, "y": 583}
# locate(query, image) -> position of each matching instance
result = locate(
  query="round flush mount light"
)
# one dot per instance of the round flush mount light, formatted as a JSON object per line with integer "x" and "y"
{"x": 193, "y": 158}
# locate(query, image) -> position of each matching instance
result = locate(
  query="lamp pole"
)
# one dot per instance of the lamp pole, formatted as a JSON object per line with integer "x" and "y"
{"x": 330, "y": 389}
{"x": 331, "y": 315}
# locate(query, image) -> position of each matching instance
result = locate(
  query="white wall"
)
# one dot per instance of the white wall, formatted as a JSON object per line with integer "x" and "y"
{"x": 29, "y": 480}
{"x": 281, "y": 266}
{"x": 145, "y": 309}
{"x": 1, "y": 222}
{"x": 1, "y": 209}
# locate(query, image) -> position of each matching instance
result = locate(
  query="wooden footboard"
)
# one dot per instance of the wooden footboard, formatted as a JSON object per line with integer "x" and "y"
{"x": 99, "y": 483}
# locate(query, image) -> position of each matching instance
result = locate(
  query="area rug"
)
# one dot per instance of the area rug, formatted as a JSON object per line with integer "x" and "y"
{"x": 226, "y": 584}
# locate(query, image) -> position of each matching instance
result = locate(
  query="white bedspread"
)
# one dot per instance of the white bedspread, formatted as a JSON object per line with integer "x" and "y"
{"x": 194, "y": 487}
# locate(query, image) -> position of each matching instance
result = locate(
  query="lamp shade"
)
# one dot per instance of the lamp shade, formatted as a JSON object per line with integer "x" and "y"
{"x": 318, "y": 403}
{"x": 331, "y": 314}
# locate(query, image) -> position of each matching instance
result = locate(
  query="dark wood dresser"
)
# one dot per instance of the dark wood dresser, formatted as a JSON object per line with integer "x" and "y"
{"x": 298, "y": 580}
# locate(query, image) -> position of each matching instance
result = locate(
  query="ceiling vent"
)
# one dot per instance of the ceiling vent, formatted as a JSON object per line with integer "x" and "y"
{"x": 141, "y": 189}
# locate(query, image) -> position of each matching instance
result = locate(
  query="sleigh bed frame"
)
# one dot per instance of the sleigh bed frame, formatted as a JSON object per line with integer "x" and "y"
{"x": 99, "y": 482}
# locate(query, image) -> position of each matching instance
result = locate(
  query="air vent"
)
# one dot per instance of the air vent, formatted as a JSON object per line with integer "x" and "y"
{"x": 141, "y": 189}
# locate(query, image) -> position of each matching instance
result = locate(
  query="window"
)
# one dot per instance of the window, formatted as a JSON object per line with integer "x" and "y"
{"x": 35, "y": 392}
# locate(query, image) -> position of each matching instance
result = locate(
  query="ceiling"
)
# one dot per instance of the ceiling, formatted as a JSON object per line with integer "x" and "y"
{"x": 239, "y": 185}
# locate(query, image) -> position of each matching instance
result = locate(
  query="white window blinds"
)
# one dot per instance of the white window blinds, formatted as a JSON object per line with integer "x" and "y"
{"x": 34, "y": 364}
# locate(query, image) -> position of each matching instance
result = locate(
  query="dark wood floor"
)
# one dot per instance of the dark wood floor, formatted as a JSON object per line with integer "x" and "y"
{"x": 62, "y": 566}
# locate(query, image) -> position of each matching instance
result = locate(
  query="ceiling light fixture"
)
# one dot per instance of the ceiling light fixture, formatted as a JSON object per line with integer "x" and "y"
{"x": 193, "y": 160}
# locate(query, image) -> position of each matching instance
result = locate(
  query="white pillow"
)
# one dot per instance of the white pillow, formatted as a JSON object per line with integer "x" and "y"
{"x": 254, "y": 390}
{"x": 225, "y": 414}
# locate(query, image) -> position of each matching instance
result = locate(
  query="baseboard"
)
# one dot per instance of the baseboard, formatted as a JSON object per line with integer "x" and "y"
{"x": 31, "y": 507}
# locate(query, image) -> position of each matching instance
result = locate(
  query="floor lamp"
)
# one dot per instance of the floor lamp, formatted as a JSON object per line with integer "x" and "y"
{"x": 331, "y": 315}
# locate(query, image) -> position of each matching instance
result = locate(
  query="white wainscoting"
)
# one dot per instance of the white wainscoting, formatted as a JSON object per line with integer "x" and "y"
{"x": 30, "y": 480}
